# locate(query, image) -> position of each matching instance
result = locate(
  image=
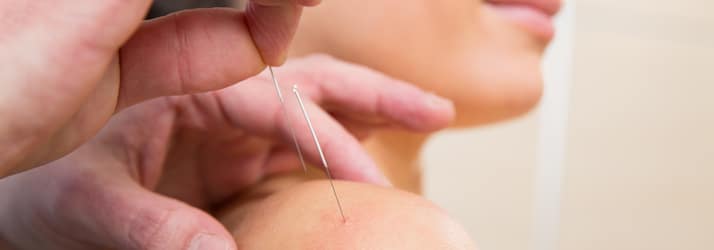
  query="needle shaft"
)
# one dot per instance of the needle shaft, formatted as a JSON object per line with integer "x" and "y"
{"x": 319, "y": 148}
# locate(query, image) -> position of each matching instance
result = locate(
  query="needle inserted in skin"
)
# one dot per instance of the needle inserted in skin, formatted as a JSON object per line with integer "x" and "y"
{"x": 287, "y": 119}
{"x": 319, "y": 148}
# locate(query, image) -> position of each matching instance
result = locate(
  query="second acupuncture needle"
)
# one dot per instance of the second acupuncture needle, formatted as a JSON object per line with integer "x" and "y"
{"x": 319, "y": 148}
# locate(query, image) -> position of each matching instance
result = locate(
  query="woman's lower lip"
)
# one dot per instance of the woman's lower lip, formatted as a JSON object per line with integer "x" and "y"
{"x": 534, "y": 20}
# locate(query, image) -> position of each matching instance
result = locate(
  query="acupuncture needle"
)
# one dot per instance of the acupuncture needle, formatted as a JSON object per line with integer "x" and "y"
{"x": 319, "y": 148}
{"x": 287, "y": 119}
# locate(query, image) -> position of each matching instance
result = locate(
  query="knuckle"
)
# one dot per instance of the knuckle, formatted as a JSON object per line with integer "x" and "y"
{"x": 182, "y": 49}
{"x": 106, "y": 14}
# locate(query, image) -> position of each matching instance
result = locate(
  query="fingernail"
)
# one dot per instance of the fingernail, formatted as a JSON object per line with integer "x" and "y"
{"x": 205, "y": 241}
{"x": 438, "y": 102}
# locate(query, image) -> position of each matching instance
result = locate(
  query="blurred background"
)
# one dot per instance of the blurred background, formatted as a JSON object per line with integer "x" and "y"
{"x": 620, "y": 153}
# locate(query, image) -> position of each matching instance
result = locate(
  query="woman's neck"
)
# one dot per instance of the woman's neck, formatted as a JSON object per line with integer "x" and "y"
{"x": 397, "y": 154}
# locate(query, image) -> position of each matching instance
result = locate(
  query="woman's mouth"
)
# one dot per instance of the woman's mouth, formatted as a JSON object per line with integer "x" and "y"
{"x": 534, "y": 15}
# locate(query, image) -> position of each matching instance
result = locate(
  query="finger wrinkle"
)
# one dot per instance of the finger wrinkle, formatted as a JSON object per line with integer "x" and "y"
{"x": 272, "y": 28}
{"x": 181, "y": 46}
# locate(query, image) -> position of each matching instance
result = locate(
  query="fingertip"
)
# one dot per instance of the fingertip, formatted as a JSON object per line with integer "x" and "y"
{"x": 382, "y": 180}
{"x": 419, "y": 111}
{"x": 442, "y": 110}
{"x": 275, "y": 59}
{"x": 438, "y": 103}
{"x": 368, "y": 172}
{"x": 374, "y": 175}
{"x": 272, "y": 28}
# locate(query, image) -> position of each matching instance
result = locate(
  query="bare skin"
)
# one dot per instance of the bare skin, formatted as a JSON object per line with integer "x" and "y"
{"x": 290, "y": 212}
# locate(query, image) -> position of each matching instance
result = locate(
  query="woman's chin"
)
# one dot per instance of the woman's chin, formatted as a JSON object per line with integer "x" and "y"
{"x": 506, "y": 100}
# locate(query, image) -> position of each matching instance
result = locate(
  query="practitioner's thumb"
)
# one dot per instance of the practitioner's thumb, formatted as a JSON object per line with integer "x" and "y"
{"x": 128, "y": 216}
{"x": 157, "y": 222}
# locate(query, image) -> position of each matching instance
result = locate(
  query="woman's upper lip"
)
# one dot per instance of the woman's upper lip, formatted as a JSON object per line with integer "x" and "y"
{"x": 549, "y": 7}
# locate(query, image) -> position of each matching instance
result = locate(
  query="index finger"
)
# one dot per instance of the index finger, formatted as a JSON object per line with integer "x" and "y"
{"x": 272, "y": 25}
{"x": 355, "y": 89}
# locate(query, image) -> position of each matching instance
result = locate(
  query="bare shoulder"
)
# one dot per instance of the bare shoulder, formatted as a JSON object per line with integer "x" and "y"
{"x": 305, "y": 216}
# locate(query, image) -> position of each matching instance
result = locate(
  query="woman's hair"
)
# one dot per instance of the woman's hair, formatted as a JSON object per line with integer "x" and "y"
{"x": 163, "y": 7}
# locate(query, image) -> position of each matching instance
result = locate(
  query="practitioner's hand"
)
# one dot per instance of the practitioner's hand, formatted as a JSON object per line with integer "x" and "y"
{"x": 148, "y": 178}
{"x": 66, "y": 66}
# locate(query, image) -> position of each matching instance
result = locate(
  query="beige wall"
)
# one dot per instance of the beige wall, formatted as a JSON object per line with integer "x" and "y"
{"x": 639, "y": 165}
{"x": 640, "y": 162}
{"x": 484, "y": 178}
